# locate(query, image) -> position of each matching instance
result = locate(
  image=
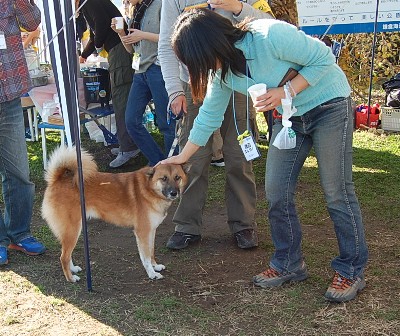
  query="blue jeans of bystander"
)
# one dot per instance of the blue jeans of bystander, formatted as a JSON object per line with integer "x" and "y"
{"x": 146, "y": 86}
{"x": 18, "y": 191}
{"x": 328, "y": 128}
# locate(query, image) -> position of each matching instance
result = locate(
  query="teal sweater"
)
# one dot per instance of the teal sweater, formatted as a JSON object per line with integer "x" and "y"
{"x": 271, "y": 47}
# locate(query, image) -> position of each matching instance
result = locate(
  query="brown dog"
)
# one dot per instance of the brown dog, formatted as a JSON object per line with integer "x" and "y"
{"x": 139, "y": 200}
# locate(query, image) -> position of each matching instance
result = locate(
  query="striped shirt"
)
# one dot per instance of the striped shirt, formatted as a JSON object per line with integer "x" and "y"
{"x": 14, "y": 75}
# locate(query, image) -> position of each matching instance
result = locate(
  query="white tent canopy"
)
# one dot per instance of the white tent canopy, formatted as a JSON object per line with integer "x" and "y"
{"x": 60, "y": 29}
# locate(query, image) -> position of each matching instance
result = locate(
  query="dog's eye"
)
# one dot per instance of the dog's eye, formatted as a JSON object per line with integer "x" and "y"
{"x": 177, "y": 178}
{"x": 164, "y": 178}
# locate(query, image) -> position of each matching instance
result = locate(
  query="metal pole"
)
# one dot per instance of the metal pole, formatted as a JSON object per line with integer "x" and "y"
{"x": 372, "y": 62}
{"x": 66, "y": 81}
{"x": 72, "y": 67}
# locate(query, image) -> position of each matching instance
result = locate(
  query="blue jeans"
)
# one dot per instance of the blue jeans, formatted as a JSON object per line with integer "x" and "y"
{"x": 18, "y": 191}
{"x": 146, "y": 86}
{"x": 329, "y": 129}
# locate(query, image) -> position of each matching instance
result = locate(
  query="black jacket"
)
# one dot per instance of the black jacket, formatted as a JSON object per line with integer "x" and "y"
{"x": 98, "y": 14}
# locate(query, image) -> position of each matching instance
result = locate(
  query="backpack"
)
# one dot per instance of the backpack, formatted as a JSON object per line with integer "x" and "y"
{"x": 392, "y": 89}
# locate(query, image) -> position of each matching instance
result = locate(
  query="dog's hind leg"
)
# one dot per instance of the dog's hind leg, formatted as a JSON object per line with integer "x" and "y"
{"x": 68, "y": 243}
{"x": 145, "y": 243}
{"x": 74, "y": 268}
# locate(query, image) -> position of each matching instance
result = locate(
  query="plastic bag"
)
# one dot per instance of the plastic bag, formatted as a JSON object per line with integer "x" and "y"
{"x": 286, "y": 138}
{"x": 49, "y": 108}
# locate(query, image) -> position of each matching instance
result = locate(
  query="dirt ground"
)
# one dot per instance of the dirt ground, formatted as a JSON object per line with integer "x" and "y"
{"x": 207, "y": 288}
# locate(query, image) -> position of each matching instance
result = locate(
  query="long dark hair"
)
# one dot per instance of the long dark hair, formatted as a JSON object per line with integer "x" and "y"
{"x": 204, "y": 41}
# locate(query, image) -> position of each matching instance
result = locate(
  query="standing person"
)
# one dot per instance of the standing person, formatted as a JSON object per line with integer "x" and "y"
{"x": 324, "y": 121}
{"x": 148, "y": 82}
{"x": 217, "y": 158}
{"x": 98, "y": 15}
{"x": 18, "y": 190}
{"x": 240, "y": 189}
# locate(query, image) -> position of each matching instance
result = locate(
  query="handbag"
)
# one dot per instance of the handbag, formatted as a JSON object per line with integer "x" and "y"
{"x": 392, "y": 89}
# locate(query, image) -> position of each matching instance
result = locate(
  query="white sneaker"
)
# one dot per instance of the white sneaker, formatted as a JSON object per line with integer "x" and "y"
{"x": 115, "y": 151}
{"x": 218, "y": 163}
{"x": 124, "y": 157}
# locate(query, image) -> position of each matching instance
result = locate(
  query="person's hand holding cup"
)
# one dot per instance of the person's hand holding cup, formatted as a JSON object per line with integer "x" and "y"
{"x": 117, "y": 24}
{"x": 256, "y": 91}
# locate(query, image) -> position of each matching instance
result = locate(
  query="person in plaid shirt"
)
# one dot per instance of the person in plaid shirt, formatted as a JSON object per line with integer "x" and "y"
{"x": 18, "y": 191}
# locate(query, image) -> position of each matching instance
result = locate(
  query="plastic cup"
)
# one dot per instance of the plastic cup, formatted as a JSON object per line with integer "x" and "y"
{"x": 119, "y": 23}
{"x": 257, "y": 90}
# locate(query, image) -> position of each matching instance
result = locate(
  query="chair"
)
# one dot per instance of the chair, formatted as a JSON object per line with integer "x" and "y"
{"x": 43, "y": 126}
{"x": 86, "y": 115}
{"x": 29, "y": 107}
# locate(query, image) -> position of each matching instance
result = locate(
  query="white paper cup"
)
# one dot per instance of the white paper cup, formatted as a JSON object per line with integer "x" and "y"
{"x": 257, "y": 90}
{"x": 119, "y": 22}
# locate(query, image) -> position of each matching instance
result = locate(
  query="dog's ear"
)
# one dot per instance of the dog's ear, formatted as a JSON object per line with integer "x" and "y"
{"x": 149, "y": 171}
{"x": 186, "y": 167}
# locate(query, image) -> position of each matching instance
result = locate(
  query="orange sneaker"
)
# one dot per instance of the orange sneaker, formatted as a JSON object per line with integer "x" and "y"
{"x": 343, "y": 289}
{"x": 272, "y": 278}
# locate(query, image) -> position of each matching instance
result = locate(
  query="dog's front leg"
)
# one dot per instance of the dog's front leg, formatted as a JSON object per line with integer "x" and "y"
{"x": 156, "y": 267}
{"x": 145, "y": 242}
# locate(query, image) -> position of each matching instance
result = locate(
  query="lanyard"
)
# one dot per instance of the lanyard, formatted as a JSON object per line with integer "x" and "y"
{"x": 247, "y": 103}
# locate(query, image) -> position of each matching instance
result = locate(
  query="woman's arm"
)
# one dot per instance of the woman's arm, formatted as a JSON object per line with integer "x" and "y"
{"x": 183, "y": 157}
{"x": 170, "y": 10}
{"x": 121, "y": 33}
{"x": 31, "y": 38}
{"x": 272, "y": 98}
{"x": 287, "y": 43}
{"x": 137, "y": 35}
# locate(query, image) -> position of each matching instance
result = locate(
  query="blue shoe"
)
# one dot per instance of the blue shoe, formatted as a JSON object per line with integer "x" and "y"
{"x": 3, "y": 255}
{"x": 29, "y": 246}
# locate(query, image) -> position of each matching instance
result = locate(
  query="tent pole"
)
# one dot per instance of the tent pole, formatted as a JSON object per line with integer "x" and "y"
{"x": 61, "y": 41}
{"x": 74, "y": 114}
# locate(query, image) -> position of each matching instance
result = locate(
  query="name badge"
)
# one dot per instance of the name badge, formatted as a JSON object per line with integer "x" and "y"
{"x": 249, "y": 148}
{"x": 3, "y": 44}
{"x": 135, "y": 61}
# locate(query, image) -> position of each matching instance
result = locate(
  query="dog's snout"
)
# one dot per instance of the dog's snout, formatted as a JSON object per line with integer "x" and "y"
{"x": 171, "y": 193}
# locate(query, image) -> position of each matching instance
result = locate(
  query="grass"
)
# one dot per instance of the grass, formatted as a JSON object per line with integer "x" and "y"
{"x": 207, "y": 291}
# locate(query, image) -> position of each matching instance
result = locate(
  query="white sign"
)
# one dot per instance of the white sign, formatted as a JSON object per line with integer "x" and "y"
{"x": 317, "y": 17}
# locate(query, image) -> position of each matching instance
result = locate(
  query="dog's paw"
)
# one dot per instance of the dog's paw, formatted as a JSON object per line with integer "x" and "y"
{"x": 158, "y": 267}
{"x": 156, "y": 276}
{"x": 75, "y": 278}
{"x": 75, "y": 269}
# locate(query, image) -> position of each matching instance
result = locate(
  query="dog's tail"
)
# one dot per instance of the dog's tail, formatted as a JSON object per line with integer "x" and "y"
{"x": 63, "y": 161}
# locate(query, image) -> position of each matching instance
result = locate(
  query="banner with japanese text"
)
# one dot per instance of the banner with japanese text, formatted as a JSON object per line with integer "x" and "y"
{"x": 317, "y": 17}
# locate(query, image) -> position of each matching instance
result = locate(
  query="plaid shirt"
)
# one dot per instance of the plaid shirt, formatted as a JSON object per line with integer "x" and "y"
{"x": 14, "y": 75}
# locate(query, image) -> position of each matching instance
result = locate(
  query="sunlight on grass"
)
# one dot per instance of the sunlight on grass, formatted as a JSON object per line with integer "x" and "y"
{"x": 369, "y": 170}
{"x": 311, "y": 162}
{"x": 28, "y": 314}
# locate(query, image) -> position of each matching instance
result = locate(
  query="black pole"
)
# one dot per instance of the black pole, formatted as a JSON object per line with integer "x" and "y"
{"x": 73, "y": 113}
{"x": 372, "y": 62}
{"x": 69, "y": 76}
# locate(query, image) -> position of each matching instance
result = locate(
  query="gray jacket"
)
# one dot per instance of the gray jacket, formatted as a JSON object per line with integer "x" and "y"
{"x": 147, "y": 49}
{"x": 173, "y": 72}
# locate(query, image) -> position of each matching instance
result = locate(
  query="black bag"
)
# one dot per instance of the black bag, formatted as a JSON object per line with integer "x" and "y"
{"x": 392, "y": 89}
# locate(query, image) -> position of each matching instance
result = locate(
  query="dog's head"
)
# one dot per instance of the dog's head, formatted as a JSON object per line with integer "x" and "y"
{"x": 169, "y": 180}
